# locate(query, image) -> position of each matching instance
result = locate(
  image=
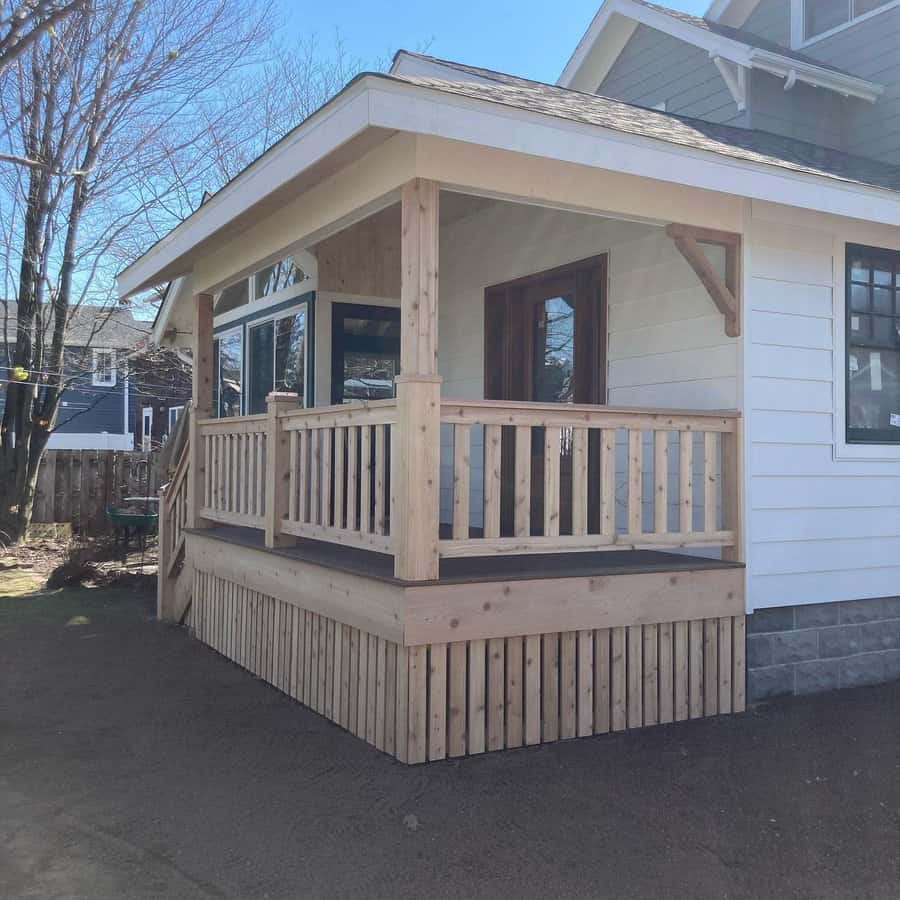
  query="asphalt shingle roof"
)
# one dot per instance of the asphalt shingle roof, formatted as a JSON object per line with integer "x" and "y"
{"x": 751, "y": 145}
{"x": 97, "y": 326}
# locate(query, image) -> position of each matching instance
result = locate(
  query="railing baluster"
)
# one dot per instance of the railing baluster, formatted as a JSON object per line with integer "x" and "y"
{"x": 661, "y": 477}
{"x": 380, "y": 481}
{"x": 686, "y": 481}
{"x": 352, "y": 476}
{"x": 327, "y": 441}
{"x": 315, "y": 461}
{"x": 522, "y": 512}
{"x": 709, "y": 481}
{"x": 303, "y": 437}
{"x": 492, "y": 481}
{"x": 292, "y": 486}
{"x": 461, "y": 480}
{"x": 635, "y": 480}
{"x": 579, "y": 481}
{"x": 552, "y": 447}
{"x": 365, "y": 494}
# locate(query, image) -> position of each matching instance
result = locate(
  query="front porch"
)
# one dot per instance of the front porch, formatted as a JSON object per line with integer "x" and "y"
{"x": 444, "y": 574}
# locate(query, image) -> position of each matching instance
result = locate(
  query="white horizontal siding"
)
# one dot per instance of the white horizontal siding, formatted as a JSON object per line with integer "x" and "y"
{"x": 820, "y": 529}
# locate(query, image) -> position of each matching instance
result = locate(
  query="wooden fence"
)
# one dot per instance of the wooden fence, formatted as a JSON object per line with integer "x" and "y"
{"x": 78, "y": 485}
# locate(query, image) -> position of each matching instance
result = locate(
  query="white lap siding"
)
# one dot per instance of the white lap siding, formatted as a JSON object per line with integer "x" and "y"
{"x": 821, "y": 528}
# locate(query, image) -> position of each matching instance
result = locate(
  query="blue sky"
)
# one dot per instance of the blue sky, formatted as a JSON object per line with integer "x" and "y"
{"x": 532, "y": 38}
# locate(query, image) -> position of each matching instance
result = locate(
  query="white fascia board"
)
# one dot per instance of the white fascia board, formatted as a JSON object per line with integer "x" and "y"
{"x": 786, "y": 67}
{"x": 428, "y": 111}
{"x": 415, "y": 65}
{"x": 334, "y": 124}
{"x": 737, "y": 52}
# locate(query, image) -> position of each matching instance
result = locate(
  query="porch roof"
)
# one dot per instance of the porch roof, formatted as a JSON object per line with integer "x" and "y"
{"x": 483, "y": 110}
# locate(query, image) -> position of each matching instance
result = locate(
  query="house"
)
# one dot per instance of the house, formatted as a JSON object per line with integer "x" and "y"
{"x": 161, "y": 388}
{"x": 631, "y": 396}
{"x": 96, "y": 410}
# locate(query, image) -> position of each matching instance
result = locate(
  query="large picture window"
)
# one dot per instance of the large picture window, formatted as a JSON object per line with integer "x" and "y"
{"x": 227, "y": 373}
{"x": 277, "y": 360}
{"x": 873, "y": 345}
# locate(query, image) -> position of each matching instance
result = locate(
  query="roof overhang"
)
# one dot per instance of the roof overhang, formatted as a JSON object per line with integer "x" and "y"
{"x": 385, "y": 105}
{"x": 602, "y": 43}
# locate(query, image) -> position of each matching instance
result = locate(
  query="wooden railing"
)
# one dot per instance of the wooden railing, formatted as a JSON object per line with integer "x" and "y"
{"x": 234, "y": 452}
{"x": 174, "y": 515}
{"x": 560, "y": 478}
{"x": 339, "y": 473}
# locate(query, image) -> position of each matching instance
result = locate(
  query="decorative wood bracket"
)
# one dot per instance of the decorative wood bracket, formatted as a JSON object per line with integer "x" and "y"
{"x": 726, "y": 294}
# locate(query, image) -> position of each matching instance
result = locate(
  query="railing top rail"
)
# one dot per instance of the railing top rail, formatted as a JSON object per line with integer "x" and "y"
{"x": 233, "y": 424}
{"x": 360, "y": 412}
{"x": 517, "y": 412}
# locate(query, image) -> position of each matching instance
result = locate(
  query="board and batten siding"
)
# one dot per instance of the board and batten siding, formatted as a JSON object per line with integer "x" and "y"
{"x": 656, "y": 68}
{"x": 666, "y": 344}
{"x": 821, "y": 528}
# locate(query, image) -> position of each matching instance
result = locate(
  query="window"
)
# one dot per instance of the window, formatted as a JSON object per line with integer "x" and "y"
{"x": 235, "y": 295}
{"x": 873, "y": 345}
{"x": 821, "y": 16}
{"x": 146, "y": 428}
{"x": 104, "y": 368}
{"x": 365, "y": 352}
{"x": 227, "y": 374}
{"x": 277, "y": 358}
{"x": 277, "y": 277}
{"x": 174, "y": 413}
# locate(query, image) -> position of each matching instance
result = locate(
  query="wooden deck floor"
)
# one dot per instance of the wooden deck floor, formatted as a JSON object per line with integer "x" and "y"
{"x": 464, "y": 570}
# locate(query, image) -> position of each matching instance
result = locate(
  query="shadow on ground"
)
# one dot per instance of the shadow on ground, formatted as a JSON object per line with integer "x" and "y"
{"x": 136, "y": 763}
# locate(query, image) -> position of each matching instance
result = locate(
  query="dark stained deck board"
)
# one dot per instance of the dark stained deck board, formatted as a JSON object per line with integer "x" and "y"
{"x": 481, "y": 568}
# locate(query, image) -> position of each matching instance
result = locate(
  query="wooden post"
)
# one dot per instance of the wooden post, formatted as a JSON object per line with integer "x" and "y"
{"x": 733, "y": 490}
{"x": 201, "y": 405}
{"x": 415, "y": 451}
{"x": 278, "y": 469}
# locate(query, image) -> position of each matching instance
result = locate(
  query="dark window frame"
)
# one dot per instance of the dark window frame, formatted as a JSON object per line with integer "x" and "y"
{"x": 340, "y": 312}
{"x": 857, "y": 436}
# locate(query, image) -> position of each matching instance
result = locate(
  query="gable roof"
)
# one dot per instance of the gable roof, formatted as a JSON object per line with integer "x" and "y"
{"x": 616, "y": 20}
{"x": 512, "y": 114}
{"x": 748, "y": 144}
{"x": 119, "y": 331}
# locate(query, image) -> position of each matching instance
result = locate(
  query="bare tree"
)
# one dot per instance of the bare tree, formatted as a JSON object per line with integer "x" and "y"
{"x": 22, "y": 23}
{"x": 105, "y": 113}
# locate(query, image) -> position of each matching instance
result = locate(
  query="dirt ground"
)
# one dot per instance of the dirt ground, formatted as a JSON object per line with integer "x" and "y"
{"x": 136, "y": 763}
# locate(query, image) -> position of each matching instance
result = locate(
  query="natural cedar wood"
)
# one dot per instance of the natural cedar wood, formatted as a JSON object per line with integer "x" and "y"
{"x": 634, "y": 667}
{"x": 651, "y": 674}
{"x": 437, "y": 701}
{"x": 477, "y": 696}
{"x": 532, "y": 689}
{"x": 725, "y": 292}
{"x": 456, "y": 711}
{"x": 568, "y": 704}
{"x": 514, "y": 691}
{"x": 496, "y": 693}
{"x": 585, "y": 683}
{"x": 461, "y": 481}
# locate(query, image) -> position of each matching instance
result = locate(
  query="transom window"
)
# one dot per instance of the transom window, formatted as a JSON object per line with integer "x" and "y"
{"x": 873, "y": 345}
{"x": 104, "y": 368}
{"x": 820, "y": 16}
{"x": 278, "y": 276}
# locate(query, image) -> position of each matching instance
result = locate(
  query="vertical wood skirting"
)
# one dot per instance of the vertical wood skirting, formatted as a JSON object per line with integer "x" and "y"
{"x": 438, "y": 701}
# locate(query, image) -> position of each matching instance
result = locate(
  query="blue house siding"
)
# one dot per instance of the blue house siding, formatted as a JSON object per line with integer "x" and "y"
{"x": 771, "y": 20}
{"x": 86, "y": 408}
{"x": 655, "y": 68}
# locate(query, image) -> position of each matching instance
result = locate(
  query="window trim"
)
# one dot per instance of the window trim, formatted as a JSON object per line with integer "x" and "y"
{"x": 842, "y": 449}
{"x": 113, "y": 369}
{"x": 798, "y": 22}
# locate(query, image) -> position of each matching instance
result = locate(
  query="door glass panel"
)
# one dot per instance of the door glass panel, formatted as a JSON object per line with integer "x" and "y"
{"x": 230, "y": 375}
{"x": 290, "y": 354}
{"x": 554, "y": 350}
{"x": 260, "y": 369}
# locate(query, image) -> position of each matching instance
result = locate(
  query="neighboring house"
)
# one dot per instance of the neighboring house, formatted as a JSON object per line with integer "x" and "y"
{"x": 96, "y": 410}
{"x": 636, "y": 395}
{"x": 161, "y": 387}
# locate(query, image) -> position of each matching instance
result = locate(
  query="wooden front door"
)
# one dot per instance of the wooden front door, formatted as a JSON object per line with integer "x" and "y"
{"x": 545, "y": 338}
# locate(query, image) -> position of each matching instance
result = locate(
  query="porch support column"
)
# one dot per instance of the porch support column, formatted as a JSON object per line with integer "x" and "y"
{"x": 201, "y": 403}
{"x": 415, "y": 445}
